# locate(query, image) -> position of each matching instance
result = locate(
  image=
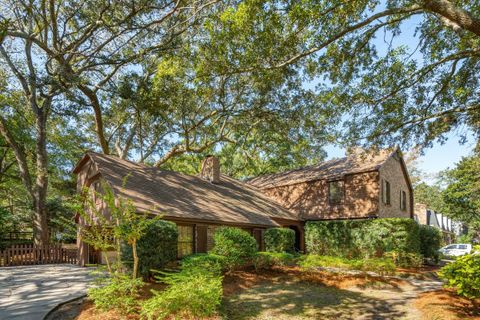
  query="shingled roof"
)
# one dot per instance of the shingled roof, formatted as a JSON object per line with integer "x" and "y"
{"x": 181, "y": 196}
{"x": 356, "y": 162}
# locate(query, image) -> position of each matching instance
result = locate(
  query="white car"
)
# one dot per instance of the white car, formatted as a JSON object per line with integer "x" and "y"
{"x": 456, "y": 249}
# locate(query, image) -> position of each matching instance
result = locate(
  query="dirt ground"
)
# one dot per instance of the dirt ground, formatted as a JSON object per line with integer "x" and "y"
{"x": 293, "y": 294}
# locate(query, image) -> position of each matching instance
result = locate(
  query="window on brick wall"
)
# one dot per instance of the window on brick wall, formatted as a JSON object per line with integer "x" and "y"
{"x": 403, "y": 200}
{"x": 185, "y": 240}
{"x": 335, "y": 192}
{"x": 386, "y": 192}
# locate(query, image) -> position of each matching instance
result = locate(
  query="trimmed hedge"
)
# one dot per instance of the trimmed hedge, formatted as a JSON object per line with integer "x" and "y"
{"x": 362, "y": 238}
{"x": 236, "y": 245}
{"x": 156, "y": 248}
{"x": 279, "y": 240}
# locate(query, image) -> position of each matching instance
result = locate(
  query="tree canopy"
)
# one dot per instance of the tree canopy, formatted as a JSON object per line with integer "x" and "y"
{"x": 264, "y": 84}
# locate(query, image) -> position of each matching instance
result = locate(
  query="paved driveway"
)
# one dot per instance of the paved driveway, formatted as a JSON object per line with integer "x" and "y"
{"x": 30, "y": 292}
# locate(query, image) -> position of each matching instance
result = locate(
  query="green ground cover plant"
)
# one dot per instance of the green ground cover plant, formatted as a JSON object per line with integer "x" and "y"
{"x": 267, "y": 260}
{"x": 380, "y": 265}
{"x": 119, "y": 292}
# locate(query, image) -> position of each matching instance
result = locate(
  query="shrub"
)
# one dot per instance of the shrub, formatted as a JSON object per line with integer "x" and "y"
{"x": 379, "y": 236}
{"x": 156, "y": 247}
{"x": 119, "y": 292}
{"x": 362, "y": 238}
{"x": 464, "y": 275}
{"x": 331, "y": 237}
{"x": 405, "y": 259}
{"x": 212, "y": 262}
{"x": 191, "y": 293}
{"x": 279, "y": 240}
{"x": 236, "y": 245}
{"x": 430, "y": 242}
{"x": 267, "y": 260}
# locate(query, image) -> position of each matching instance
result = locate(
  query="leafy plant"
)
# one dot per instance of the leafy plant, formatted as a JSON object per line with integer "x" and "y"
{"x": 267, "y": 260}
{"x": 464, "y": 275}
{"x": 155, "y": 248}
{"x": 119, "y": 292}
{"x": 362, "y": 238}
{"x": 379, "y": 265}
{"x": 405, "y": 259}
{"x": 279, "y": 240}
{"x": 192, "y": 292}
{"x": 212, "y": 262}
{"x": 236, "y": 245}
{"x": 430, "y": 242}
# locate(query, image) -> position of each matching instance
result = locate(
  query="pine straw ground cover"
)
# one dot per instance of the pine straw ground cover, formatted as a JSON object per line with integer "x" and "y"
{"x": 290, "y": 293}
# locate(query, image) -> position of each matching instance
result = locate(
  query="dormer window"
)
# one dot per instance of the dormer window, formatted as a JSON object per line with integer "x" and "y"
{"x": 335, "y": 192}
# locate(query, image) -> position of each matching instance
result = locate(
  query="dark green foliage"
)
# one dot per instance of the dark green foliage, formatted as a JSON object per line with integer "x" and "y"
{"x": 267, "y": 260}
{"x": 405, "y": 259}
{"x": 464, "y": 275}
{"x": 430, "y": 242}
{"x": 332, "y": 237}
{"x": 362, "y": 238}
{"x": 392, "y": 234}
{"x": 156, "y": 247}
{"x": 279, "y": 240}
{"x": 236, "y": 245}
{"x": 120, "y": 292}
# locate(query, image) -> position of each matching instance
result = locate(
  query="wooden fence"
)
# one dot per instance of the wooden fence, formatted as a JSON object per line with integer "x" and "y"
{"x": 28, "y": 254}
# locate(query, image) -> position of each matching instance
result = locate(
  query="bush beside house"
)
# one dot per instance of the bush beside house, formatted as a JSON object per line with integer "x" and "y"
{"x": 156, "y": 247}
{"x": 236, "y": 245}
{"x": 402, "y": 238}
{"x": 430, "y": 242}
{"x": 279, "y": 240}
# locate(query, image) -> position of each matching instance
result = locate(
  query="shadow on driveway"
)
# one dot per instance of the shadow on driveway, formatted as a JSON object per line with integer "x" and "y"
{"x": 30, "y": 292}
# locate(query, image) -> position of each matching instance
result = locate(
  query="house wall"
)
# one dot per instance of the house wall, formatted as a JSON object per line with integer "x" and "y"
{"x": 310, "y": 199}
{"x": 393, "y": 172}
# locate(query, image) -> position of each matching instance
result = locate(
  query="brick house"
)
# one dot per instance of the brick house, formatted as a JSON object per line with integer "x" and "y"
{"x": 197, "y": 204}
{"x": 361, "y": 185}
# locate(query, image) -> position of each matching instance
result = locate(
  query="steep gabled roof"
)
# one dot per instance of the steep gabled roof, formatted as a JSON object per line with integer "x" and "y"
{"x": 357, "y": 162}
{"x": 181, "y": 196}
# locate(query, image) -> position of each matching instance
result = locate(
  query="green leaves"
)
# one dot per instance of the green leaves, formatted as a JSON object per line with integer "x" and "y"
{"x": 464, "y": 275}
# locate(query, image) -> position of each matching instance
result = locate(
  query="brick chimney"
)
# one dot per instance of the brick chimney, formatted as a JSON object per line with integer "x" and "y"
{"x": 211, "y": 169}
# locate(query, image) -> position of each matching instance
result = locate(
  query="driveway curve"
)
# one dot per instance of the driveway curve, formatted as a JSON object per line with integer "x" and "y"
{"x": 30, "y": 292}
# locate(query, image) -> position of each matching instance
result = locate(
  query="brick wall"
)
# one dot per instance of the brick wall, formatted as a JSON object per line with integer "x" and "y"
{"x": 310, "y": 199}
{"x": 392, "y": 172}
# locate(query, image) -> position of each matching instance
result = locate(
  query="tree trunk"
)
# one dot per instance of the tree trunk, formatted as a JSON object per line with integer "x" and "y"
{"x": 135, "y": 259}
{"x": 40, "y": 221}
